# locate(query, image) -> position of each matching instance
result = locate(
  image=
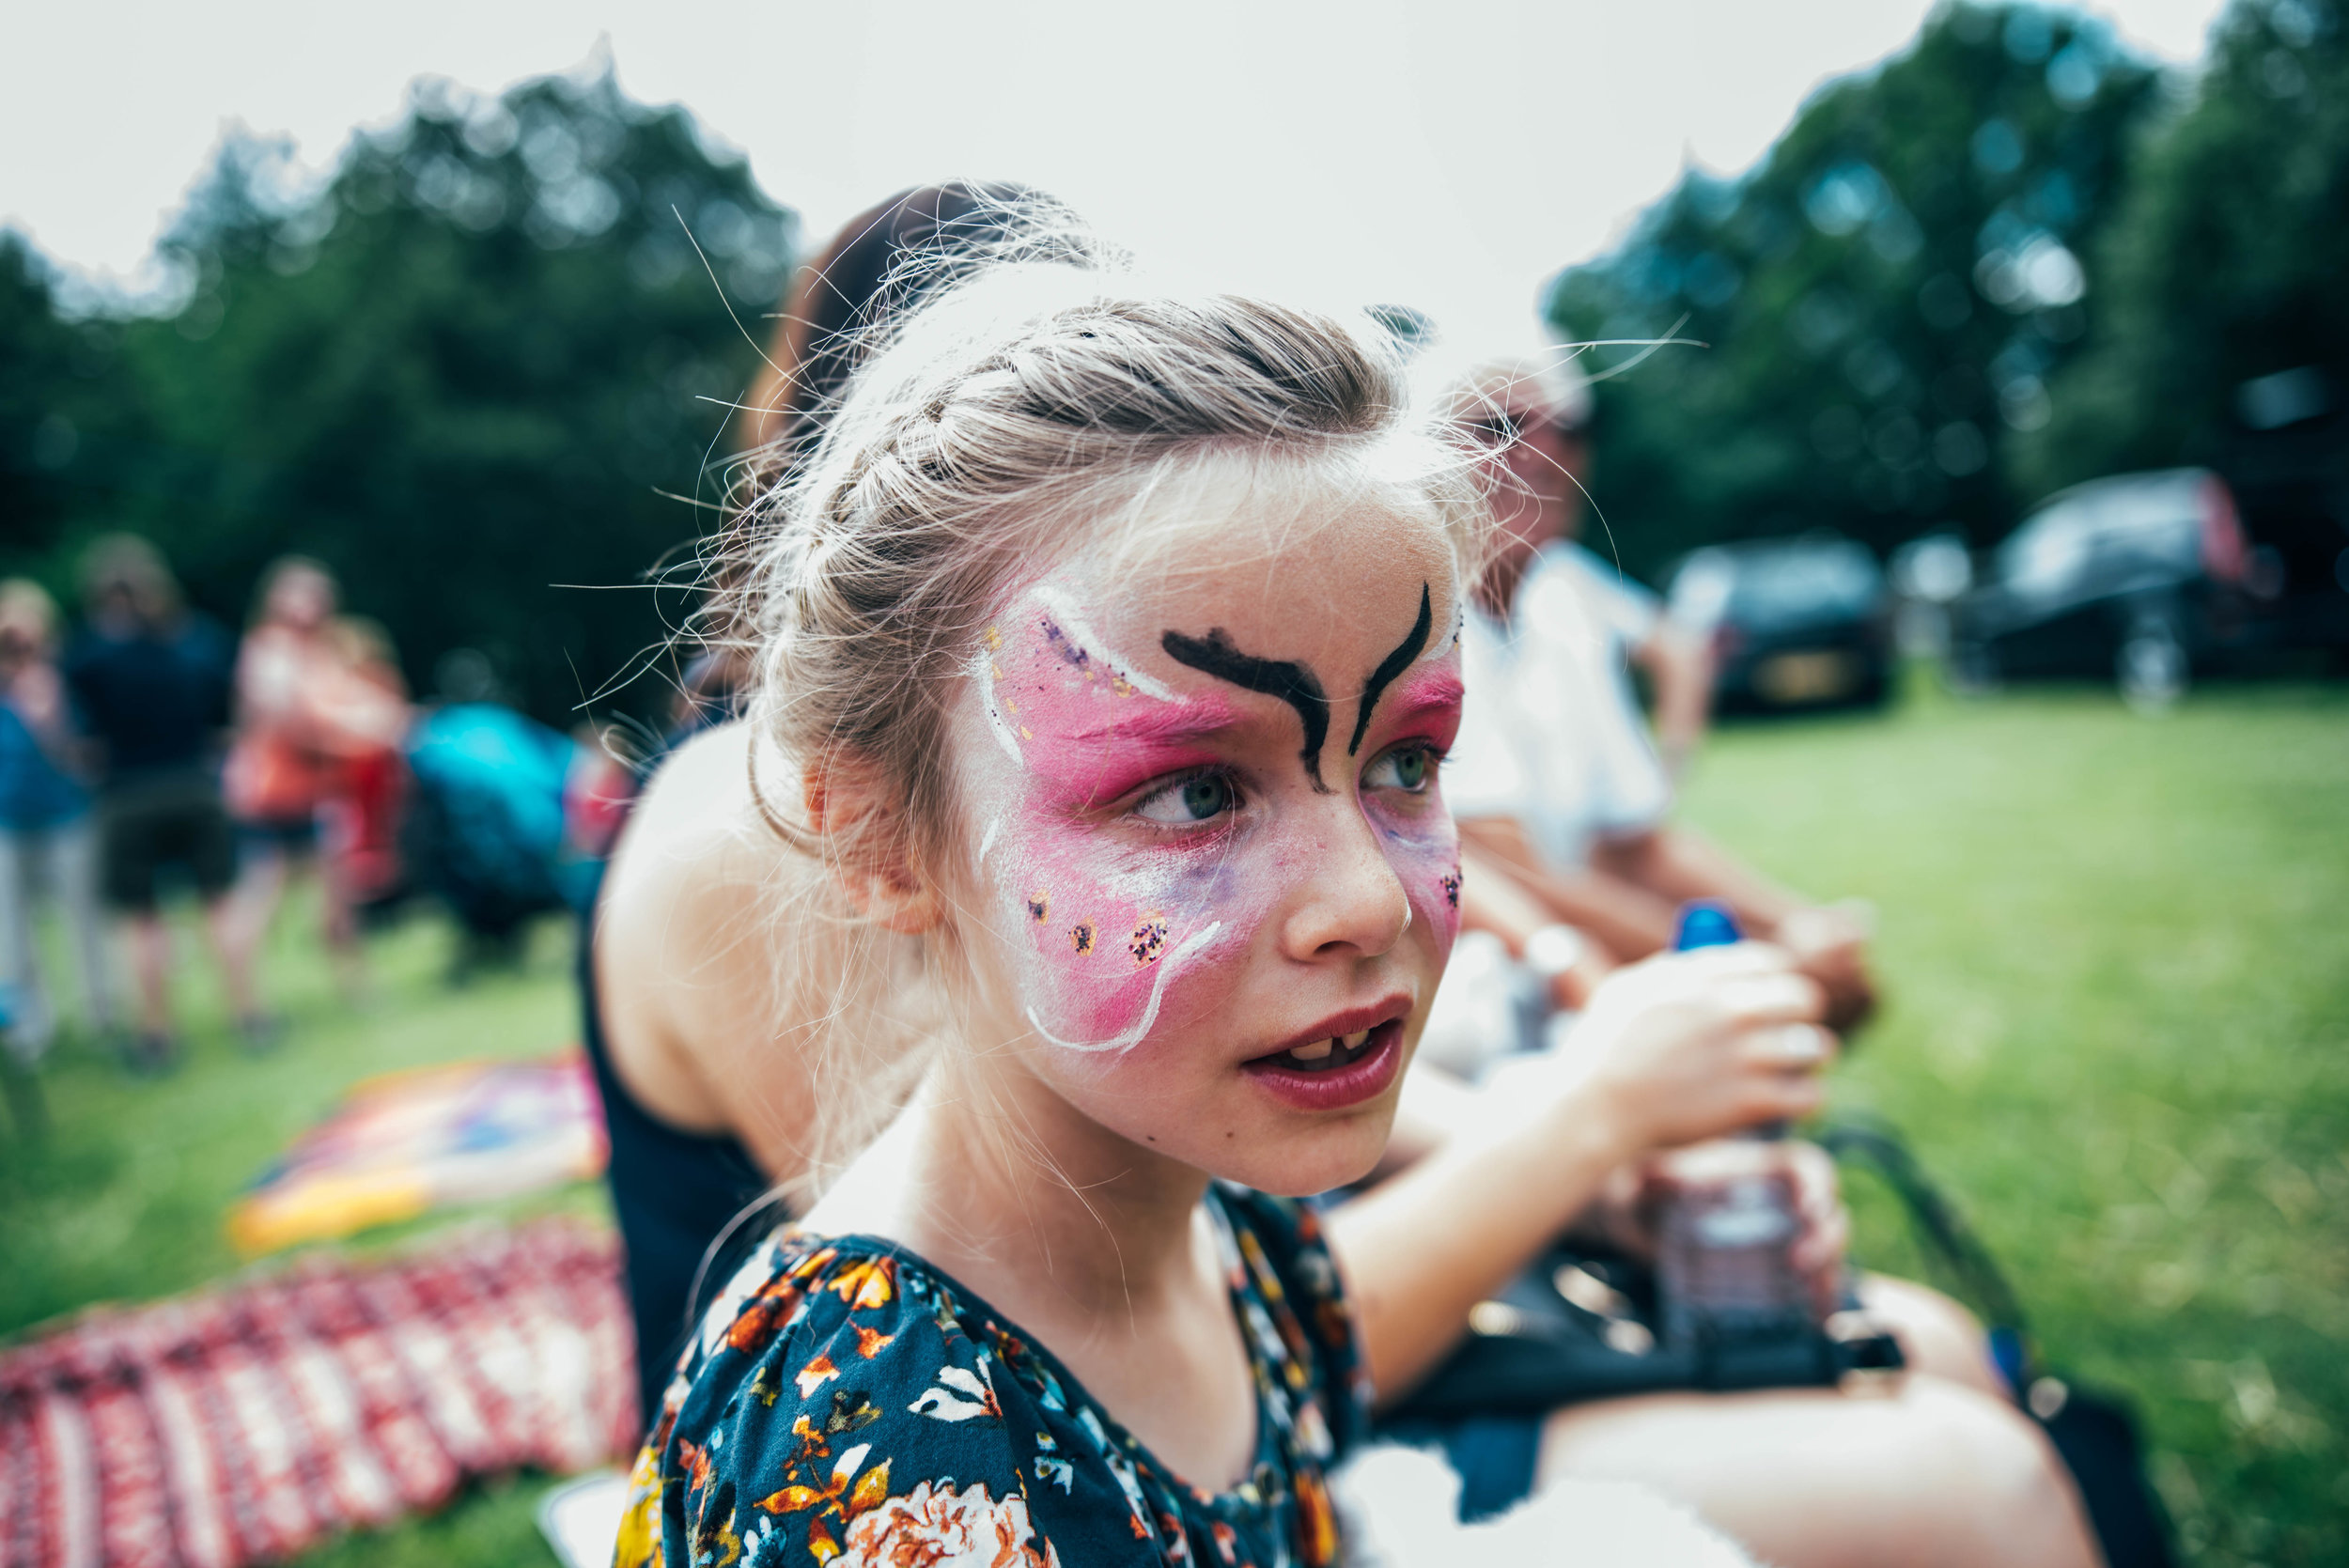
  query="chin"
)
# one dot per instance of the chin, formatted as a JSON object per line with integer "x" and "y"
{"x": 1291, "y": 1162}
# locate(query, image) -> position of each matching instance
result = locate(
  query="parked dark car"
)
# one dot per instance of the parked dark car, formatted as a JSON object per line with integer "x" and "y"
{"x": 2143, "y": 579}
{"x": 1799, "y": 623}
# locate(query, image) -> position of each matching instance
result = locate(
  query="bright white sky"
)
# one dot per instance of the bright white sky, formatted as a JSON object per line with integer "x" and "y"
{"x": 1443, "y": 153}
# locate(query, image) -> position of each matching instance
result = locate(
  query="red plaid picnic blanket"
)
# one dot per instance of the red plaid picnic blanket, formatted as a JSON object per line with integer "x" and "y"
{"x": 241, "y": 1424}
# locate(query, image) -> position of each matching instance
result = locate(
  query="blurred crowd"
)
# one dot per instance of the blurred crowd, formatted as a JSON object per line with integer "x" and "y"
{"x": 148, "y": 755}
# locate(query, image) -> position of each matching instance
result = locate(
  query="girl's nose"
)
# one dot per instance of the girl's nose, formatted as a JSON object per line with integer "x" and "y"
{"x": 1352, "y": 903}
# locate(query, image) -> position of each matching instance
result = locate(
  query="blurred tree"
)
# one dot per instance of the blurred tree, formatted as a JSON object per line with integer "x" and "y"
{"x": 2224, "y": 266}
{"x": 60, "y": 385}
{"x": 1884, "y": 297}
{"x": 461, "y": 372}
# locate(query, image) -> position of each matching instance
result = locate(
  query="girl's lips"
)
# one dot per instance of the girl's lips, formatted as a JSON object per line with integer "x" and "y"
{"x": 1343, "y": 1077}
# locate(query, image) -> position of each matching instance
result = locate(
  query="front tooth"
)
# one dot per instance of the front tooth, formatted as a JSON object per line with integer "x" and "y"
{"x": 1358, "y": 1040}
{"x": 1314, "y": 1052}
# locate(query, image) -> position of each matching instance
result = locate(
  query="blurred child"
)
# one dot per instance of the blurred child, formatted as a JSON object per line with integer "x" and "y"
{"x": 45, "y": 833}
{"x": 321, "y": 710}
{"x": 364, "y": 706}
{"x": 1563, "y": 800}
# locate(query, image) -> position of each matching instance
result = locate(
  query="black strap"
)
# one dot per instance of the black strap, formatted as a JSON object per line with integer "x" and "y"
{"x": 1940, "y": 1230}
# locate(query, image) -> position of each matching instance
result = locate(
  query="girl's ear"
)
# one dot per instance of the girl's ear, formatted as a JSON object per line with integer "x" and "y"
{"x": 848, "y": 804}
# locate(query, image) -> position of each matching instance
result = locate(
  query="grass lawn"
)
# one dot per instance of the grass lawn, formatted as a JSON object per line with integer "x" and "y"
{"x": 126, "y": 1200}
{"x": 2118, "y": 1029}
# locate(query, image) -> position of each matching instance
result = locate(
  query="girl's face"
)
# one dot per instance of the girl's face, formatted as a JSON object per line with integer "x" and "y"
{"x": 1214, "y": 879}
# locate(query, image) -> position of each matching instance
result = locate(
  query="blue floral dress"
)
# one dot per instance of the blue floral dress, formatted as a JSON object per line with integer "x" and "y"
{"x": 845, "y": 1405}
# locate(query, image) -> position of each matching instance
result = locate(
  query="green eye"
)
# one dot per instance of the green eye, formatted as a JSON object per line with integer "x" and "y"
{"x": 1207, "y": 797}
{"x": 1201, "y": 798}
{"x": 1408, "y": 769}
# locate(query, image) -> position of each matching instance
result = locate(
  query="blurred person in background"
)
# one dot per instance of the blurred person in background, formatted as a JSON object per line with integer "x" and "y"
{"x": 310, "y": 701}
{"x": 365, "y": 698}
{"x": 152, "y": 681}
{"x": 46, "y": 839}
{"x": 1570, "y": 860}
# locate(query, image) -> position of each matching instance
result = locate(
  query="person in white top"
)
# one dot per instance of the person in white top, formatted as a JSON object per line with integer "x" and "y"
{"x": 1572, "y": 862}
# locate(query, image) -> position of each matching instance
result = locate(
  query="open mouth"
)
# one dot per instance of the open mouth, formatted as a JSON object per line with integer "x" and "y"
{"x": 1322, "y": 1056}
{"x": 1335, "y": 1070}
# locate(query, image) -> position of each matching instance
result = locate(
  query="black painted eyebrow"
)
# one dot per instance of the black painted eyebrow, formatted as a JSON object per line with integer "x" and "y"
{"x": 1391, "y": 666}
{"x": 1295, "y": 684}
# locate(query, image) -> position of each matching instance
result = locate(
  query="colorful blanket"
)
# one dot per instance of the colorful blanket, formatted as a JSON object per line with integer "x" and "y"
{"x": 403, "y": 1144}
{"x": 241, "y": 1424}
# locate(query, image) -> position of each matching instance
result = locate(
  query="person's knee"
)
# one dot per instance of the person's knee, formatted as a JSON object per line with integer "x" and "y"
{"x": 1938, "y": 1337}
{"x": 1990, "y": 1484}
{"x": 1923, "y": 1471}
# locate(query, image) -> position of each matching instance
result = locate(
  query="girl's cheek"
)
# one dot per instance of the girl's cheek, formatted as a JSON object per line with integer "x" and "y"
{"x": 1114, "y": 942}
{"x": 1424, "y": 850}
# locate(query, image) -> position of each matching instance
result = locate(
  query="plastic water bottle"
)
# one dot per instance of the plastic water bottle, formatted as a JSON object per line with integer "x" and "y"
{"x": 1725, "y": 1267}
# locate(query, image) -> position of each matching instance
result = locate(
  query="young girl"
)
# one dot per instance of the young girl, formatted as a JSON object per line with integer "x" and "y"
{"x": 1108, "y": 651}
{"x": 1109, "y": 662}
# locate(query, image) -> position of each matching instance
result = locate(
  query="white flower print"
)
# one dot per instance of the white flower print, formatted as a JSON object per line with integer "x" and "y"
{"x": 939, "y": 1406}
{"x": 941, "y": 1528}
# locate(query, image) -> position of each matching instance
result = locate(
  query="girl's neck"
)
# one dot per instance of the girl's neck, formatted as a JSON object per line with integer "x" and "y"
{"x": 992, "y": 1176}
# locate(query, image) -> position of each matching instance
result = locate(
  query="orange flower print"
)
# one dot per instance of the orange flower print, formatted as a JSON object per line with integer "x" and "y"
{"x": 754, "y": 1328}
{"x": 936, "y": 1527}
{"x": 1317, "y": 1521}
{"x": 867, "y": 1284}
{"x": 871, "y": 1342}
{"x": 847, "y": 1495}
{"x": 815, "y": 1375}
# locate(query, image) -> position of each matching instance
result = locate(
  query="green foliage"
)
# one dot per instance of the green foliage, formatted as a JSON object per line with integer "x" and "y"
{"x": 1884, "y": 297}
{"x": 460, "y": 374}
{"x": 2224, "y": 262}
{"x": 58, "y": 381}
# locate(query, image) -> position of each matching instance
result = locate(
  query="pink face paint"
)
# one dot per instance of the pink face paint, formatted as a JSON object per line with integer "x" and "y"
{"x": 1421, "y": 843}
{"x": 1109, "y": 920}
{"x": 1115, "y": 923}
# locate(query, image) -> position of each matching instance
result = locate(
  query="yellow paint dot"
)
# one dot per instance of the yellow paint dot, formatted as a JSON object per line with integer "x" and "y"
{"x": 994, "y": 639}
{"x": 1024, "y": 735}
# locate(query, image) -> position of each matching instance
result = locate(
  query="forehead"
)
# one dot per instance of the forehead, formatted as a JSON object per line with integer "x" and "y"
{"x": 1296, "y": 560}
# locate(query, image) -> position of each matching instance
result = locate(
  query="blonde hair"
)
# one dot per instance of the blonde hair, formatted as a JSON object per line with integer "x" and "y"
{"x": 1039, "y": 397}
{"x": 26, "y": 606}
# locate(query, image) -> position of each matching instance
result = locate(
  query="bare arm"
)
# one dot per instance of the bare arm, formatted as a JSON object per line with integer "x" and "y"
{"x": 1679, "y": 664}
{"x": 1676, "y": 864}
{"x": 1627, "y": 919}
{"x": 1687, "y": 1046}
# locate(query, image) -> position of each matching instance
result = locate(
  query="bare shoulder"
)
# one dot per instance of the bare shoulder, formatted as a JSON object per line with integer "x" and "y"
{"x": 678, "y": 951}
{"x": 695, "y": 822}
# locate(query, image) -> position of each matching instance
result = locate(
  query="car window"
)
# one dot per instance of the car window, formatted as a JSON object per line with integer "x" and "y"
{"x": 2109, "y": 529}
{"x": 1804, "y": 583}
{"x": 2046, "y": 552}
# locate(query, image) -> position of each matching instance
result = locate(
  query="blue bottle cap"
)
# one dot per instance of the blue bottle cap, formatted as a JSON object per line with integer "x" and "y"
{"x": 1705, "y": 923}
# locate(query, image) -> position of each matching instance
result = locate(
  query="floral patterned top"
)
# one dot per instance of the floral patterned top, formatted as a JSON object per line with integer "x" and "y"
{"x": 845, "y": 1405}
